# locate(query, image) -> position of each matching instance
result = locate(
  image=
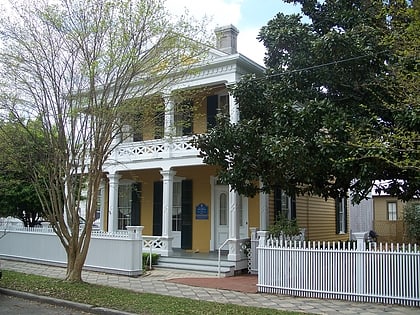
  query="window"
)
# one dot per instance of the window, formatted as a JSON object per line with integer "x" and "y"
{"x": 99, "y": 202}
{"x": 177, "y": 207}
{"x": 392, "y": 211}
{"x": 216, "y": 105}
{"x": 159, "y": 122}
{"x": 284, "y": 205}
{"x": 184, "y": 118}
{"x": 341, "y": 215}
{"x": 124, "y": 206}
{"x": 223, "y": 214}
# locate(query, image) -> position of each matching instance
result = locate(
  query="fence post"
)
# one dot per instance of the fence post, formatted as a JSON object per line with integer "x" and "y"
{"x": 253, "y": 258}
{"x": 360, "y": 266}
{"x": 263, "y": 237}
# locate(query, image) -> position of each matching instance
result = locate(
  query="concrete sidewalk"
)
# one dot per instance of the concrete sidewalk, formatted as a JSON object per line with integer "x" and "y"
{"x": 156, "y": 281}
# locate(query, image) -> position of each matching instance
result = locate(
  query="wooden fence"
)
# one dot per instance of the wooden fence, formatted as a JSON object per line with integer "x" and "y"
{"x": 349, "y": 271}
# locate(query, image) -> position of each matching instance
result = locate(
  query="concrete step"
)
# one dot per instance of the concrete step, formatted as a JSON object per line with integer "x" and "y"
{"x": 204, "y": 265}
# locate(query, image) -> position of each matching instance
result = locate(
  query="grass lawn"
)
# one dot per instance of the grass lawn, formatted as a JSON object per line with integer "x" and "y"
{"x": 121, "y": 299}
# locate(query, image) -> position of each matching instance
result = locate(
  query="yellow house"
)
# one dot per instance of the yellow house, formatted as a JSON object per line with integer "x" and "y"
{"x": 156, "y": 178}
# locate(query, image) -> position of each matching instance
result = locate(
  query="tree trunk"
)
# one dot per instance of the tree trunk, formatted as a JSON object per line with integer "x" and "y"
{"x": 76, "y": 258}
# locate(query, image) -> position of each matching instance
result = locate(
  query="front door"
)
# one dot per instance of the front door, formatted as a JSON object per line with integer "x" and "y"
{"x": 222, "y": 215}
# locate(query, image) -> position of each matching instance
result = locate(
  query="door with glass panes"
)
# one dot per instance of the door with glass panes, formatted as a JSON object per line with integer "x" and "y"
{"x": 221, "y": 203}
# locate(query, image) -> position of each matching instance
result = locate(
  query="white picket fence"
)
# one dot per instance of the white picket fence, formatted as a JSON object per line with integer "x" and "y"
{"x": 379, "y": 274}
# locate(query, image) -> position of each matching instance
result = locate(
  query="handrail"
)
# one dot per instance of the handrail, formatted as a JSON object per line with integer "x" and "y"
{"x": 219, "y": 249}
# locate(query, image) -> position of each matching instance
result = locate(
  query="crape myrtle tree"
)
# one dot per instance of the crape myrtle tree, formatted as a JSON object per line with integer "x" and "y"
{"x": 18, "y": 196}
{"x": 74, "y": 64}
{"x": 337, "y": 110}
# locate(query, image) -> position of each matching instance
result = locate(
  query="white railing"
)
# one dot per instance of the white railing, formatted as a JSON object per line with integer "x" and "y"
{"x": 154, "y": 149}
{"x": 379, "y": 274}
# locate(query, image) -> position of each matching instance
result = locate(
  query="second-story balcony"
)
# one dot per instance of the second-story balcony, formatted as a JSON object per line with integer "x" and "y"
{"x": 166, "y": 148}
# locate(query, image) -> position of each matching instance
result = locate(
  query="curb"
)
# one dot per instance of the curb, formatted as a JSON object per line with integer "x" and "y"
{"x": 63, "y": 303}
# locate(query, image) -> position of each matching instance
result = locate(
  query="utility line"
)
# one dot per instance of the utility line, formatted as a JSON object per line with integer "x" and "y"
{"x": 316, "y": 66}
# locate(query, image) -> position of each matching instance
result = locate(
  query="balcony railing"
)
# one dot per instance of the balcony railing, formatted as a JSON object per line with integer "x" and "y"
{"x": 155, "y": 149}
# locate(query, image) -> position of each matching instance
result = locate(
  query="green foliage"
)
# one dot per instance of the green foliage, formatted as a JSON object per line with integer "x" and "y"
{"x": 284, "y": 226}
{"x": 146, "y": 260}
{"x": 412, "y": 221}
{"x": 18, "y": 196}
{"x": 338, "y": 109}
{"x": 121, "y": 299}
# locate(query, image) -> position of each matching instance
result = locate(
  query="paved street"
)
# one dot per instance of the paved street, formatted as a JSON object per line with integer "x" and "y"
{"x": 12, "y": 305}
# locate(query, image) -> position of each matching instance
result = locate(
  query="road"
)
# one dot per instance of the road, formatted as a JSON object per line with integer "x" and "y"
{"x": 11, "y": 305}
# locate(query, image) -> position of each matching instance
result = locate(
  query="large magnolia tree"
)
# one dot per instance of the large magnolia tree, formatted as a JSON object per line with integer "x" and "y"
{"x": 74, "y": 65}
{"x": 338, "y": 108}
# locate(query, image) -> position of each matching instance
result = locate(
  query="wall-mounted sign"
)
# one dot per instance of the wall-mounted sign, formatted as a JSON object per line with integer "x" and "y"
{"x": 202, "y": 212}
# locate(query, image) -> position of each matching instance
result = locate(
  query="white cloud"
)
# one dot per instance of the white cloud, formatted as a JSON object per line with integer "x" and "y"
{"x": 249, "y": 46}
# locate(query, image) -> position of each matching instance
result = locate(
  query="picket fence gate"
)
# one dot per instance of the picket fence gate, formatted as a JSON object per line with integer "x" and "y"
{"x": 383, "y": 273}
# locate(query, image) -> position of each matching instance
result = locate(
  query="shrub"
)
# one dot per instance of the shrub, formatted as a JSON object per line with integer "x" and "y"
{"x": 412, "y": 221}
{"x": 284, "y": 226}
{"x": 146, "y": 260}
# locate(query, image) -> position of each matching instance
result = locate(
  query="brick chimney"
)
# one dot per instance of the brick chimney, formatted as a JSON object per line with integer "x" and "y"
{"x": 226, "y": 39}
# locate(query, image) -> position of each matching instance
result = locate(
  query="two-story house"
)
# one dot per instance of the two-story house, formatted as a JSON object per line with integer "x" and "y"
{"x": 155, "y": 177}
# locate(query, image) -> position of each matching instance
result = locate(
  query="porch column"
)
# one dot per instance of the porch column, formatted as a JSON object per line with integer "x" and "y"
{"x": 169, "y": 116}
{"x": 263, "y": 210}
{"x": 113, "y": 202}
{"x": 168, "y": 183}
{"x": 234, "y": 248}
{"x": 233, "y": 110}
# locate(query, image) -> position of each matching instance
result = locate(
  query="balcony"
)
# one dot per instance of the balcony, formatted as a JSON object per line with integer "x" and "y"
{"x": 166, "y": 148}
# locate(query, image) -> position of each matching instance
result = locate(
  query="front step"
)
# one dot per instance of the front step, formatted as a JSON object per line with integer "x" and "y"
{"x": 227, "y": 268}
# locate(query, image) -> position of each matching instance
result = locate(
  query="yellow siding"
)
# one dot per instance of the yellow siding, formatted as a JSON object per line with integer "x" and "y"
{"x": 254, "y": 212}
{"x": 317, "y": 216}
{"x": 380, "y": 208}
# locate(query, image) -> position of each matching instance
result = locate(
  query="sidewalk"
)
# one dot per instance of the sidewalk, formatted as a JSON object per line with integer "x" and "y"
{"x": 210, "y": 288}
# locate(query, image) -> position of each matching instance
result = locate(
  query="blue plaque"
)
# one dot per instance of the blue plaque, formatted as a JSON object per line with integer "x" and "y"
{"x": 202, "y": 212}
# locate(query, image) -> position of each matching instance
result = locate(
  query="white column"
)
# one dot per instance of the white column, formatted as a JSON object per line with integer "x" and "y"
{"x": 233, "y": 110}
{"x": 168, "y": 183}
{"x": 113, "y": 202}
{"x": 169, "y": 124}
{"x": 234, "y": 250}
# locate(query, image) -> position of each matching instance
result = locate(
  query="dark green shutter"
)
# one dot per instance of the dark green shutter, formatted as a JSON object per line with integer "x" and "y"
{"x": 293, "y": 205}
{"x": 337, "y": 215}
{"x": 187, "y": 214}
{"x": 135, "y": 204}
{"x": 211, "y": 111}
{"x": 157, "y": 208}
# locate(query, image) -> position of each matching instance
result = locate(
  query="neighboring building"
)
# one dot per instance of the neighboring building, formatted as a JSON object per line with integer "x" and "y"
{"x": 156, "y": 178}
{"x": 388, "y": 218}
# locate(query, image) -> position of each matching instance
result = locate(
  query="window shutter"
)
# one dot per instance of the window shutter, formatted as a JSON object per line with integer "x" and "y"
{"x": 211, "y": 111}
{"x": 157, "y": 208}
{"x": 187, "y": 214}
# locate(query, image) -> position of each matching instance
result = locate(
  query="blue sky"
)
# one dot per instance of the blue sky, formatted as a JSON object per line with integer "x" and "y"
{"x": 247, "y": 15}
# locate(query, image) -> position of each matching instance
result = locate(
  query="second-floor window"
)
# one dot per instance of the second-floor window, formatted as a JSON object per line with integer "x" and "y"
{"x": 184, "y": 118}
{"x": 216, "y": 105}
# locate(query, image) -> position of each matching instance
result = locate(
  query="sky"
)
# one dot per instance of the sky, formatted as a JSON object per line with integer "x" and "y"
{"x": 248, "y": 16}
